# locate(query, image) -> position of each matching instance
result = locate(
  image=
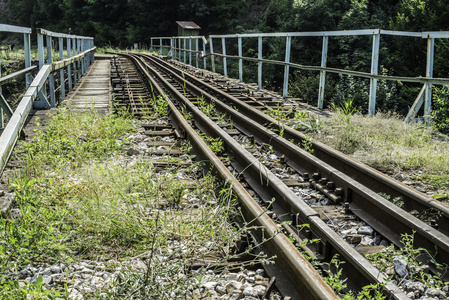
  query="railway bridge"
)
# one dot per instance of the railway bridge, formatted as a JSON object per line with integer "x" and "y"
{"x": 245, "y": 135}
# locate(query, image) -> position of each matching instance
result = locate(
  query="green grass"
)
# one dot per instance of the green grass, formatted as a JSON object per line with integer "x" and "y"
{"x": 79, "y": 197}
{"x": 386, "y": 143}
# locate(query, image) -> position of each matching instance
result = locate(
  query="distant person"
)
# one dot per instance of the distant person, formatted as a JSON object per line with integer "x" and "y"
{"x": 70, "y": 31}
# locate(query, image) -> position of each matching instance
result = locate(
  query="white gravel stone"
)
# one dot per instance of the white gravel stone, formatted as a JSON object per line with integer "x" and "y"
{"x": 365, "y": 230}
{"x": 233, "y": 287}
{"x": 210, "y": 285}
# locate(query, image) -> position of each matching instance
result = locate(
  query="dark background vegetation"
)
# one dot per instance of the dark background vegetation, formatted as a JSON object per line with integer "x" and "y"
{"x": 120, "y": 23}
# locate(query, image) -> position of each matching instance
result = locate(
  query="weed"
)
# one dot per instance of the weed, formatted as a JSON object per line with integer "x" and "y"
{"x": 384, "y": 260}
{"x": 307, "y": 144}
{"x": 396, "y": 201}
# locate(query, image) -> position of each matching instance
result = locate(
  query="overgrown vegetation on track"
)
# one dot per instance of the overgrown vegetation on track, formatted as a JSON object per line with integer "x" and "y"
{"x": 80, "y": 197}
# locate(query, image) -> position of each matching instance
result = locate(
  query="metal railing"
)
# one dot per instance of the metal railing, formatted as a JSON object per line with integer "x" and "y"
{"x": 69, "y": 46}
{"x": 5, "y": 108}
{"x": 424, "y": 97}
{"x": 78, "y": 57}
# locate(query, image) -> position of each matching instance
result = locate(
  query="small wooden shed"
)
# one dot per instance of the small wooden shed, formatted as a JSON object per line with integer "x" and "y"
{"x": 188, "y": 28}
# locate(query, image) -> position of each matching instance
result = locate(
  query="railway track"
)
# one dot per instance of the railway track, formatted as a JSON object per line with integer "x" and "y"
{"x": 255, "y": 154}
{"x": 296, "y": 268}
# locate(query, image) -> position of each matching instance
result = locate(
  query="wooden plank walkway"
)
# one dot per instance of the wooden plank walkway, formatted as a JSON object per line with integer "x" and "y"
{"x": 93, "y": 90}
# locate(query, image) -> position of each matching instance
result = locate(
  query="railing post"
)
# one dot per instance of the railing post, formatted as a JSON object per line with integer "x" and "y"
{"x": 82, "y": 62}
{"x": 197, "y": 50}
{"x": 323, "y": 73}
{"x": 185, "y": 48}
{"x": 40, "y": 49}
{"x": 51, "y": 77}
{"x": 27, "y": 50}
{"x": 211, "y": 47}
{"x": 374, "y": 71}
{"x": 78, "y": 51}
{"x": 240, "y": 60}
{"x": 287, "y": 67}
{"x": 429, "y": 74}
{"x": 75, "y": 69}
{"x": 190, "y": 51}
{"x": 180, "y": 47}
{"x": 160, "y": 47}
{"x": 61, "y": 72}
{"x": 223, "y": 47}
{"x": 204, "y": 53}
{"x": 259, "y": 67}
{"x": 69, "y": 67}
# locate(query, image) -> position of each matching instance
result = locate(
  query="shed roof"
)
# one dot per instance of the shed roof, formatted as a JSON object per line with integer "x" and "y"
{"x": 188, "y": 25}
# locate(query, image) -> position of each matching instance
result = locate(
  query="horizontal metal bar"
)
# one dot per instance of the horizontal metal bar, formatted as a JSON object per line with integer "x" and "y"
{"x": 439, "y": 81}
{"x": 38, "y": 81}
{"x": 162, "y": 46}
{"x": 311, "y": 33}
{"x": 401, "y": 33}
{"x": 435, "y": 34}
{"x": 62, "y": 35}
{"x": 16, "y": 29}
{"x": 161, "y": 38}
{"x": 7, "y": 78}
{"x": 189, "y": 37}
{"x": 63, "y": 63}
{"x": 9, "y": 136}
{"x": 187, "y": 50}
{"x": 427, "y": 34}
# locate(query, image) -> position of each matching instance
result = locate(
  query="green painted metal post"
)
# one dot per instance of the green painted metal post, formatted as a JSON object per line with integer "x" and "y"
{"x": 374, "y": 71}
{"x": 323, "y": 73}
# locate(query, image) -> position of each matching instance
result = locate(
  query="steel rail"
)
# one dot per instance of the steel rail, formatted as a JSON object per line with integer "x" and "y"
{"x": 369, "y": 177}
{"x": 385, "y": 217}
{"x": 304, "y": 279}
{"x": 269, "y": 186}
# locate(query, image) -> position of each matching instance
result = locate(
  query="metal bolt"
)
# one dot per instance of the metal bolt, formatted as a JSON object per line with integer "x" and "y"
{"x": 347, "y": 209}
{"x": 330, "y": 185}
{"x": 339, "y": 191}
{"x": 434, "y": 224}
{"x": 316, "y": 176}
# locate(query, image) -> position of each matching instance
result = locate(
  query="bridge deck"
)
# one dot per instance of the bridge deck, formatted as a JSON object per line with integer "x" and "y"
{"x": 93, "y": 90}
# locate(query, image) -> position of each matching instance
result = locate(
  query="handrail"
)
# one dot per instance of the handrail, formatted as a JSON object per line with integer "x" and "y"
{"x": 61, "y": 35}
{"x": 428, "y": 80}
{"x": 14, "y": 29}
{"x": 36, "y": 89}
{"x": 7, "y": 78}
